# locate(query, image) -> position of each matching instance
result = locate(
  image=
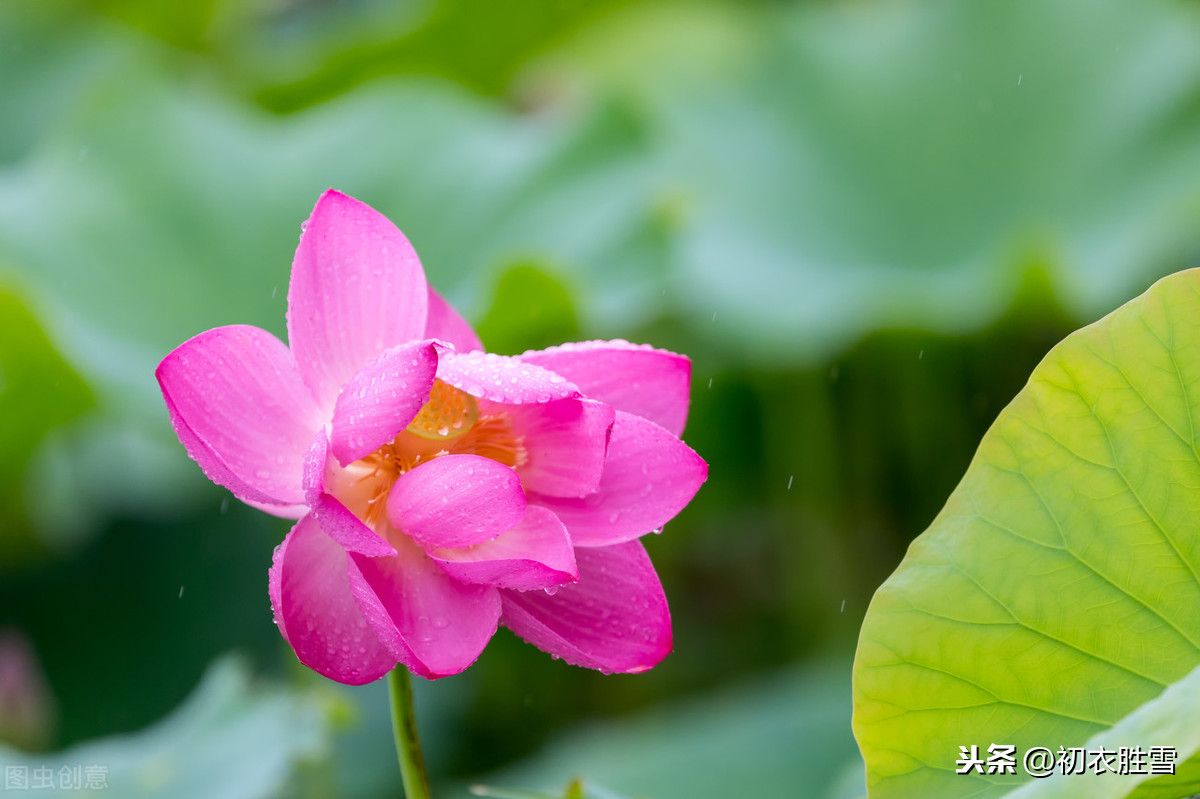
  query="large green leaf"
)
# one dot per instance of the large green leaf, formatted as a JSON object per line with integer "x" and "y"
{"x": 1058, "y": 589}
{"x": 1164, "y": 718}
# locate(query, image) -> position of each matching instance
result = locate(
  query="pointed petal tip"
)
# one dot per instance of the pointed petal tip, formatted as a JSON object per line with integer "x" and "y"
{"x": 357, "y": 288}
{"x": 333, "y": 195}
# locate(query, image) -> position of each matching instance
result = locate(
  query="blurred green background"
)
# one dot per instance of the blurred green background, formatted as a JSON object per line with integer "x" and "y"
{"x": 864, "y": 221}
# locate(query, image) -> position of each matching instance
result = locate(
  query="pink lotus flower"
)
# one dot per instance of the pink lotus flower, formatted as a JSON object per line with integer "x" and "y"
{"x": 440, "y": 490}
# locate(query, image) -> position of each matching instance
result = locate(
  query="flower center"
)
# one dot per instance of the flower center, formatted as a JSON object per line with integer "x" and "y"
{"x": 450, "y": 422}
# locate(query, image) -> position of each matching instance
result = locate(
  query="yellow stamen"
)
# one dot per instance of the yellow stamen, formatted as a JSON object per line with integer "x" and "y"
{"x": 449, "y": 422}
{"x": 448, "y": 413}
{"x": 492, "y": 437}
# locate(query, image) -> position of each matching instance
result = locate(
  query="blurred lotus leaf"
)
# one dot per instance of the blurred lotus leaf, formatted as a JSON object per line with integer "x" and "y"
{"x": 39, "y": 392}
{"x": 231, "y": 738}
{"x": 848, "y": 168}
{"x": 782, "y": 736}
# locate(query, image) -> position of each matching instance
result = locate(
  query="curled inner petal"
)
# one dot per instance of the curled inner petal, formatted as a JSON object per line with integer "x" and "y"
{"x": 449, "y": 423}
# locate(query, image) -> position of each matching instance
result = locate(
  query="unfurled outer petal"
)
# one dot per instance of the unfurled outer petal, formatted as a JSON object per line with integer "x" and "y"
{"x": 649, "y": 476}
{"x": 564, "y": 441}
{"x": 357, "y": 289}
{"x": 316, "y": 594}
{"x": 537, "y": 553}
{"x": 502, "y": 378}
{"x": 456, "y": 501}
{"x": 241, "y": 410}
{"x": 445, "y": 623}
{"x": 635, "y": 378}
{"x": 445, "y": 323}
{"x": 381, "y": 399}
{"x": 614, "y": 619}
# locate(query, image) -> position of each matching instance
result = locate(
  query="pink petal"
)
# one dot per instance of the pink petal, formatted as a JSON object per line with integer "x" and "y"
{"x": 445, "y": 323}
{"x": 381, "y": 399}
{"x": 282, "y": 511}
{"x": 502, "y": 378}
{"x": 456, "y": 501}
{"x": 348, "y": 530}
{"x": 614, "y": 619}
{"x": 241, "y": 410}
{"x": 313, "y": 588}
{"x": 357, "y": 289}
{"x": 315, "y": 461}
{"x": 564, "y": 440}
{"x": 636, "y": 378}
{"x": 445, "y": 623}
{"x": 537, "y": 553}
{"x": 649, "y": 476}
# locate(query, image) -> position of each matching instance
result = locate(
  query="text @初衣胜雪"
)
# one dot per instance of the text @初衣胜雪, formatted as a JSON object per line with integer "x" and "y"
{"x": 1040, "y": 761}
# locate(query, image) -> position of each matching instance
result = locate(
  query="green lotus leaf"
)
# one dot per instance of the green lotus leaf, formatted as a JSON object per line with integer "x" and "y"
{"x": 847, "y": 168}
{"x": 234, "y": 738}
{"x": 1158, "y": 720}
{"x": 39, "y": 392}
{"x": 1059, "y": 589}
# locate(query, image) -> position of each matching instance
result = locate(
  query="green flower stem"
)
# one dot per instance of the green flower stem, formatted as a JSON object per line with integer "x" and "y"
{"x": 404, "y": 728}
